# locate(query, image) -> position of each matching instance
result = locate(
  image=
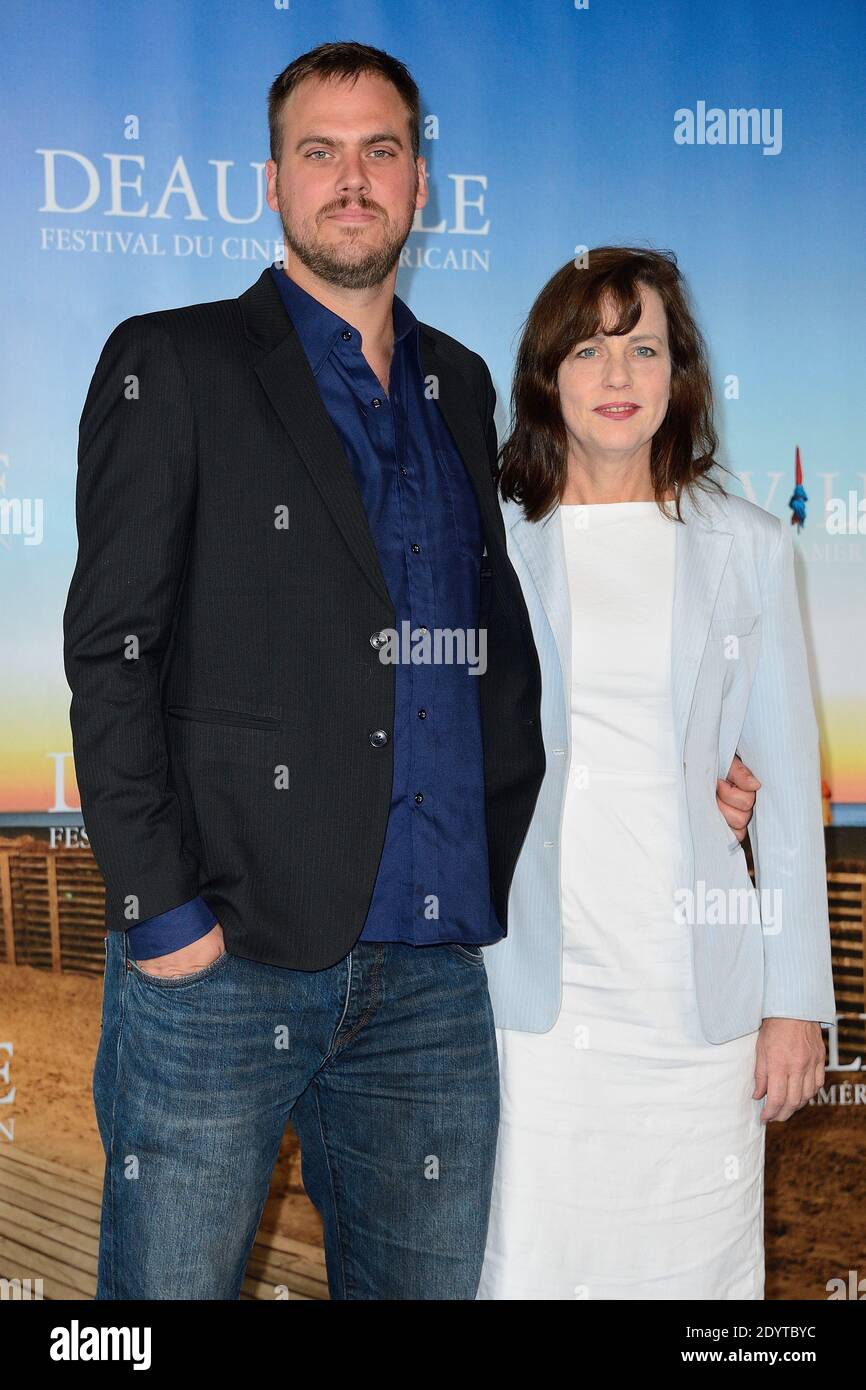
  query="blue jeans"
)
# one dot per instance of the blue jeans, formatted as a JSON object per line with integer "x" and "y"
{"x": 385, "y": 1064}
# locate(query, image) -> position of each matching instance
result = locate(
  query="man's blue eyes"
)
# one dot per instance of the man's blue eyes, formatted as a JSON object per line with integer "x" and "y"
{"x": 390, "y": 153}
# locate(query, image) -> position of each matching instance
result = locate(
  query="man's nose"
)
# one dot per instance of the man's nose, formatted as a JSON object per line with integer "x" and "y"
{"x": 352, "y": 180}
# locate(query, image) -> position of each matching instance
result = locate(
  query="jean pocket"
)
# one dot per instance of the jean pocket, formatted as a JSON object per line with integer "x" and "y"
{"x": 177, "y": 981}
{"x": 471, "y": 953}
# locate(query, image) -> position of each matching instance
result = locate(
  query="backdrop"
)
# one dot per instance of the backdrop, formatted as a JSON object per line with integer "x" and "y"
{"x": 135, "y": 136}
{"x": 134, "y": 140}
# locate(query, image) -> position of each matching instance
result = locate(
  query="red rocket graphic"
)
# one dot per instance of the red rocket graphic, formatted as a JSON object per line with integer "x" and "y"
{"x": 798, "y": 498}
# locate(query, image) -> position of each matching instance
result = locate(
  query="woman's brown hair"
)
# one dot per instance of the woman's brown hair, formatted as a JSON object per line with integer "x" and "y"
{"x": 533, "y": 458}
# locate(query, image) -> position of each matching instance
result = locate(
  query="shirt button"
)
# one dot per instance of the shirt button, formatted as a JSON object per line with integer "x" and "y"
{"x": 419, "y": 797}
{"x": 345, "y": 335}
{"x": 422, "y": 714}
{"x": 378, "y": 738}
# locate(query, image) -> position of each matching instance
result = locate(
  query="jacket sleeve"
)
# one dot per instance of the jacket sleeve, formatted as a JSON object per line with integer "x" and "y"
{"x": 135, "y": 500}
{"x": 779, "y": 742}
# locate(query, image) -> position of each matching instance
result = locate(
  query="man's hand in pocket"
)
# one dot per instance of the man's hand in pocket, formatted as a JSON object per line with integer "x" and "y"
{"x": 189, "y": 958}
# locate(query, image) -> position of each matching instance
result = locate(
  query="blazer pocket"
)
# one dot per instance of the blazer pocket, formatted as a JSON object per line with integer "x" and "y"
{"x": 224, "y": 716}
{"x": 735, "y": 625}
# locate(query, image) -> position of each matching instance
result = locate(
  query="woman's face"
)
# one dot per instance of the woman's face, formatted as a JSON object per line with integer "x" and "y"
{"x": 631, "y": 372}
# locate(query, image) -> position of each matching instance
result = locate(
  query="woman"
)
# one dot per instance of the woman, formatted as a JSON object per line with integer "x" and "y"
{"x": 650, "y": 1006}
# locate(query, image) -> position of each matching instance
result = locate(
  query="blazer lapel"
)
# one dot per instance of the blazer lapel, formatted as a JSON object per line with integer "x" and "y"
{"x": 460, "y": 413}
{"x": 291, "y": 387}
{"x": 543, "y": 550}
{"x": 288, "y": 379}
{"x": 702, "y": 550}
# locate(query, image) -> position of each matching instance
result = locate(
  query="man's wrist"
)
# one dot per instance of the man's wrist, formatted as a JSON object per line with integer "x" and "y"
{"x": 170, "y": 931}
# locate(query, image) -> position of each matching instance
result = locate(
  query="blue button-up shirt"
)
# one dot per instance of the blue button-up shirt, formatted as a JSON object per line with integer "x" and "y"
{"x": 433, "y": 882}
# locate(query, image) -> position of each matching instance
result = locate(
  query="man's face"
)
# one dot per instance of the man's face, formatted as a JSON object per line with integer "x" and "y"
{"x": 347, "y": 186}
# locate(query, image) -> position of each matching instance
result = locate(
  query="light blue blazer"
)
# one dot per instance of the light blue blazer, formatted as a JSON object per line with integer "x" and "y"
{"x": 740, "y": 683}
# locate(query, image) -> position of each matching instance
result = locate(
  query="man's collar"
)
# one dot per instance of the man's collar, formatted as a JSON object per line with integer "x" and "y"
{"x": 318, "y": 327}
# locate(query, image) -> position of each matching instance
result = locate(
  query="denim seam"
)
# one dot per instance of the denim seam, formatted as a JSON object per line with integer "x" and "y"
{"x": 337, "y": 1228}
{"x": 461, "y": 950}
{"x": 330, "y": 1050}
{"x": 375, "y": 1000}
{"x": 110, "y": 1175}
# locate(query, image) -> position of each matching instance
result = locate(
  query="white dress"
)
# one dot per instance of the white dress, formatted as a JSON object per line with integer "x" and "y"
{"x": 631, "y": 1155}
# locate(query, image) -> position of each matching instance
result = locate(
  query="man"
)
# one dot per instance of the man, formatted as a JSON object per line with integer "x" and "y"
{"x": 305, "y": 846}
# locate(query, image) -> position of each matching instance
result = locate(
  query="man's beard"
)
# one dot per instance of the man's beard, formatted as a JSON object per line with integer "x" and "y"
{"x": 353, "y": 271}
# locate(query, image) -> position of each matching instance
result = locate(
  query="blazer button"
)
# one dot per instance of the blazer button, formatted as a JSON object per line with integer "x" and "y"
{"x": 377, "y": 640}
{"x": 378, "y": 738}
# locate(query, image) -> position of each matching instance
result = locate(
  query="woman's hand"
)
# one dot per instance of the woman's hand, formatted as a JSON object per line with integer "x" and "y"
{"x": 789, "y": 1066}
{"x": 735, "y": 797}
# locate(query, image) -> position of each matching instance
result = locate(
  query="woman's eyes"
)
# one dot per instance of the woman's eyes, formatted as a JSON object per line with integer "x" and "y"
{"x": 651, "y": 351}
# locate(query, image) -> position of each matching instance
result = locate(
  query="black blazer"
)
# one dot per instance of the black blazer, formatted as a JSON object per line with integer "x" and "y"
{"x": 217, "y": 634}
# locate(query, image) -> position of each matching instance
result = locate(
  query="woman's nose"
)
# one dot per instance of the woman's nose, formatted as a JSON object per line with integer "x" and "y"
{"x": 617, "y": 374}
